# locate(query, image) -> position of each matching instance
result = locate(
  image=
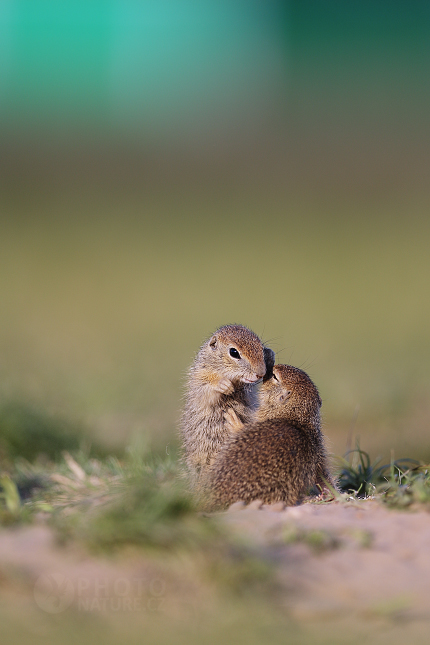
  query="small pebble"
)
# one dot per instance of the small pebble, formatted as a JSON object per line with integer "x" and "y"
{"x": 255, "y": 505}
{"x": 237, "y": 506}
{"x": 276, "y": 507}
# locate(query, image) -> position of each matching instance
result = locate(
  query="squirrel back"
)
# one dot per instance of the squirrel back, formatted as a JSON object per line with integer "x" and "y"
{"x": 280, "y": 455}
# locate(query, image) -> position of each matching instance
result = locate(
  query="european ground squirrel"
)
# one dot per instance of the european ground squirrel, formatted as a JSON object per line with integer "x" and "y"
{"x": 278, "y": 457}
{"x": 221, "y": 378}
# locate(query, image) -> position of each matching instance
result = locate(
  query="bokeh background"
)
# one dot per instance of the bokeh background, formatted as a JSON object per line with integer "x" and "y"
{"x": 168, "y": 166}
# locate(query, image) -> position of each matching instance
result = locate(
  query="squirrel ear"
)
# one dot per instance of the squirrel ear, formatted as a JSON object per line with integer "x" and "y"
{"x": 212, "y": 342}
{"x": 269, "y": 359}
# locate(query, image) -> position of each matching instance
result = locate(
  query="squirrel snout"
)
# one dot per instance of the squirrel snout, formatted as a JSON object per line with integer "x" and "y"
{"x": 251, "y": 380}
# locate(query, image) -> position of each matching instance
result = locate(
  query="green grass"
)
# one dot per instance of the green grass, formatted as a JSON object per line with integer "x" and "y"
{"x": 150, "y": 509}
{"x": 140, "y": 502}
{"x": 28, "y": 432}
{"x": 318, "y": 540}
{"x": 400, "y": 483}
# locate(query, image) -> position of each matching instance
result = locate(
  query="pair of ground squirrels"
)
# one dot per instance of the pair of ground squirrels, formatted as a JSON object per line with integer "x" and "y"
{"x": 242, "y": 446}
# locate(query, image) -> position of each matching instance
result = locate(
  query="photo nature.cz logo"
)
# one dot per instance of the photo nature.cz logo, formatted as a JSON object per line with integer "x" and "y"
{"x": 54, "y": 593}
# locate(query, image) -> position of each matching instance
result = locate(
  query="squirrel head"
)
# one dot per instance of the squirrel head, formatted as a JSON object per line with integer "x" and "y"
{"x": 239, "y": 353}
{"x": 290, "y": 394}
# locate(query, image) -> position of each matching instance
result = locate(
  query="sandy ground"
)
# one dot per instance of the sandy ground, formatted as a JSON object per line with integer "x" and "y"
{"x": 356, "y": 561}
{"x": 367, "y": 560}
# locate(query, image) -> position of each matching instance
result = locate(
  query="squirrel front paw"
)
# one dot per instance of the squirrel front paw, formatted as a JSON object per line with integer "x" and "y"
{"x": 232, "y": 421}
{"x": 224, "y": 386}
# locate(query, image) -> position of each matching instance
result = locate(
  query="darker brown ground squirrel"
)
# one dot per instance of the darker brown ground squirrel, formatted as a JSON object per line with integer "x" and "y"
{"x": 222, "y": 377}
{"x": 281, "y": 455}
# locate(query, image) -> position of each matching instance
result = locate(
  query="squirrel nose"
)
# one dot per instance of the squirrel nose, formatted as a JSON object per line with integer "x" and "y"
{"x": 259, "y": 375}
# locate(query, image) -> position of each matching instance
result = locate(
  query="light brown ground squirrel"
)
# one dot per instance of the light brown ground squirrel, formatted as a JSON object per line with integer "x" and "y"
{"x": 222, "y": 377}
{"x": 281, "y": 455}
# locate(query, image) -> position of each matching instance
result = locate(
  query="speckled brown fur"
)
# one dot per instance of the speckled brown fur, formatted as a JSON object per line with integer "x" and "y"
{"x": 281, "y": 455}
{"x": 218, "y": 382}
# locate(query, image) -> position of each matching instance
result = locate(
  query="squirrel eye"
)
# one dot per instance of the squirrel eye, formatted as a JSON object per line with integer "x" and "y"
{"x": 234, "y": 353}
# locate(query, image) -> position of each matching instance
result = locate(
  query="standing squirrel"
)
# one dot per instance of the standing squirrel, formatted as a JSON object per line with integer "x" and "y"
{"x": 222, "y": 378}
{"x": 279, "y": 456}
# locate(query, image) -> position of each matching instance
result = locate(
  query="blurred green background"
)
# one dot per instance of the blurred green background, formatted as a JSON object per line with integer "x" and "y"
{"x": 170, "y": 166}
